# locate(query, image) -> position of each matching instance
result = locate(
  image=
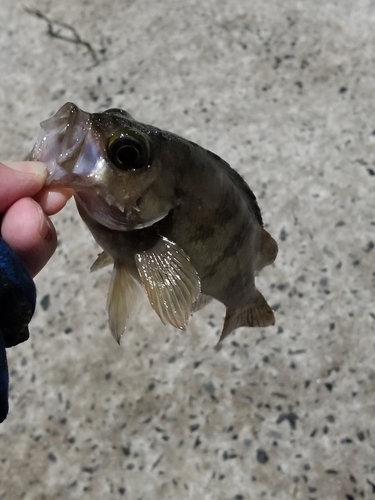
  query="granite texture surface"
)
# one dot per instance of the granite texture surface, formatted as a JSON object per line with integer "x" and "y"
{"x": 284, "y": 91}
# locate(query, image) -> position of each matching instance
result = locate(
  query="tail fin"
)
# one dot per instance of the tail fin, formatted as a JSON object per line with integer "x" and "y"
{"x": 258, "y": 313}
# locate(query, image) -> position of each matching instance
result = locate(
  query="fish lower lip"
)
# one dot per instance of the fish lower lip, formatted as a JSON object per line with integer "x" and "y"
{"x": 112, "y": 220}
{"x": 151, "y": 222}
{"x": 111, "y": 217}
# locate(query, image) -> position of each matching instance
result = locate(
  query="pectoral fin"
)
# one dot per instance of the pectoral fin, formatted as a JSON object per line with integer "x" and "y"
{"x": 123, "y": 300}
{"x": 171, "y": 282}
{"x": 102, "y": 260}
{"x": 258, "y": 313}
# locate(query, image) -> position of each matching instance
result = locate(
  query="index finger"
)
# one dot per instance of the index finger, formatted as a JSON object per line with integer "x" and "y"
{"x": 20, "y": 180}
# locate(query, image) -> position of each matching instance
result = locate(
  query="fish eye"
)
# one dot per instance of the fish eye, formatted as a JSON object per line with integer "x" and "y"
{"x": 127, "y": 152}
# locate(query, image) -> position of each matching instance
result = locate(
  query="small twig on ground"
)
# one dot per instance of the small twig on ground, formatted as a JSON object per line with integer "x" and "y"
{"x": 54, "y": 32}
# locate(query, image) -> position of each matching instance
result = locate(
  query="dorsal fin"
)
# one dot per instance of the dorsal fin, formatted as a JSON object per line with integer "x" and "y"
{"x": 267, "y": 251}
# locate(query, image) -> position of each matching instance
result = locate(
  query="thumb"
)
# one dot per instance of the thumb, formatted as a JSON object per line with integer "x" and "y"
{"x": 20, "y": 180}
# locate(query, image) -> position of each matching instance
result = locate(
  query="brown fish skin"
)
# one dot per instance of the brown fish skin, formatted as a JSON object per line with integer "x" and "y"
{"x": 216, "y": 221}
{"x": 206, "y": 209}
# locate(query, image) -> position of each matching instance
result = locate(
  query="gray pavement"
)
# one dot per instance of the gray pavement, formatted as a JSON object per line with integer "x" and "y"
{"x": 284, "y": 91}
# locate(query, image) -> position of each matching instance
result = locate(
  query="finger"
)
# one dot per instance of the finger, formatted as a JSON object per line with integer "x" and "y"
{"x": 20, "y": 179}
{"x": 52, "y": 201}
{"x": 30, "y": 233}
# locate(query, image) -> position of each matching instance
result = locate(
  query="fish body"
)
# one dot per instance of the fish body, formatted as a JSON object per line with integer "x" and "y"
{"x": 169, "y": 214}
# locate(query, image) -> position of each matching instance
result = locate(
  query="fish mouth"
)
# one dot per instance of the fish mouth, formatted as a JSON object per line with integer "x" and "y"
{"x": 67, "y": 144}
{"x": 111, "y": 216}
{"x": 60, "y": 143}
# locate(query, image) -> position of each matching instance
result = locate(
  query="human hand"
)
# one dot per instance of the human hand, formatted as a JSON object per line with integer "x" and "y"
{"x": 25, "y": 205}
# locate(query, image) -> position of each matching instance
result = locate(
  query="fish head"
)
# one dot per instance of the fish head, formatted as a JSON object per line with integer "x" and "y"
{"x": 111, "y": 162}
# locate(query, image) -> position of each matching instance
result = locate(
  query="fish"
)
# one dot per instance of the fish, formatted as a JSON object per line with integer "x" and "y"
{"x": 173, "y": 218}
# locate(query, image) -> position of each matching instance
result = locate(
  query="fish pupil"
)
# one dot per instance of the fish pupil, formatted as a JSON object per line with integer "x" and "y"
{"x": 127, "y": 154}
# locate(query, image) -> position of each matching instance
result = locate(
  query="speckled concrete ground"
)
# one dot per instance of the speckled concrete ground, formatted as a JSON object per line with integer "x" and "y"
{"x": 285, "y": 92}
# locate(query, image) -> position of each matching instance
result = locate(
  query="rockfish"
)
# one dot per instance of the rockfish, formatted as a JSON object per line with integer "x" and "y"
{"x": 168, "y": 214}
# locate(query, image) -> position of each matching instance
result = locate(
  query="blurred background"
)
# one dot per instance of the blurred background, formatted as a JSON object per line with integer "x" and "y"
{"x": 284, "y": 91}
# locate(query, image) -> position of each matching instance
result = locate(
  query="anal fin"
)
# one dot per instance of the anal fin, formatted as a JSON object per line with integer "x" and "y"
{"x": 258, "y": 313}
{"x": 123, "y": 300}
{"x": 201, "y": 302}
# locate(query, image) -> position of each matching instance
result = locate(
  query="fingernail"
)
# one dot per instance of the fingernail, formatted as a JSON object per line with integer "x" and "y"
{"x": 45, "y": 225}
{"x": 30, "y": 167}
